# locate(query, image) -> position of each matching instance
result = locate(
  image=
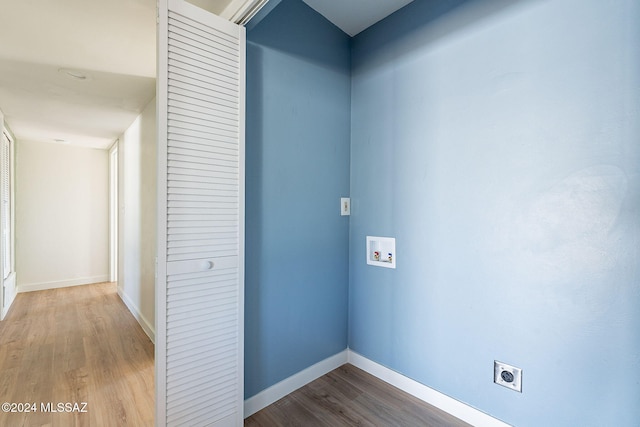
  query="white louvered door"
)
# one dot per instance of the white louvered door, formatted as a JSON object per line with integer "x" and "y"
{"x": 7, "y": 284}
{"x": 200, "y": 273}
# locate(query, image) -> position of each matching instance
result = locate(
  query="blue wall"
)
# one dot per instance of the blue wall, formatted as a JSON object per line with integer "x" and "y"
{"x": 297, "y": 168}
{"x": 499, "y": 142}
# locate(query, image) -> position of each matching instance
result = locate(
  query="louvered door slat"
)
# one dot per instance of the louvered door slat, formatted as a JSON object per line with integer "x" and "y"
{"x": 221, "y": 39}
{"x": 200, "y": 362}
{"x": 199, "y": 39}
{"x": 188, "y": 279}
{"x": 221, "y": 94}
{"x": 196, "y": 285}
{"x": 195, "y": 314}
{"x": 212, "y": 113}
{"x": 188, "y": 175}
{"x": 193, "y": 44}
{"x": 180, "y": 148}
{"x": 198, "y": 145}
{"x": 200, "y": 257}
{"x": 209, "y": 254}
{"x": 196, "y": 164}
{"x": 180, "y": 100}
{"x": 182, "y": 240}
{"x": 229, "y": 249}
{"x": 198, "y": 47}
{"x": 225, "y": 42}
{"x": 202, "y": 64}
{"x": 188, "y": 115}
{"x": 175, "y": 87}
{"x": 181, "y": 130}
{"x": 184, "y": 74}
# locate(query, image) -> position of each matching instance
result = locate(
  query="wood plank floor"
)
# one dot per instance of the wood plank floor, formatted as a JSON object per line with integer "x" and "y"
{"x": 75, "y": 345}
{"x": 348, "y": 396}
{"x": 81, "y": 344}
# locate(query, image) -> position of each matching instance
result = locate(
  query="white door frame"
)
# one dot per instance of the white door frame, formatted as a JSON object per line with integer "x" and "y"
{"x": 113, "y": 212}
{"x": 8, "y": 278}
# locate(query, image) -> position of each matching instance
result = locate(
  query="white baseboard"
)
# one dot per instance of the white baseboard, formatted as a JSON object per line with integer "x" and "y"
{"x": 294, "y": 382}
{"x": 144, "y": 323}
{"x": 433, "y": 397}
{"x": 31, "y": 287}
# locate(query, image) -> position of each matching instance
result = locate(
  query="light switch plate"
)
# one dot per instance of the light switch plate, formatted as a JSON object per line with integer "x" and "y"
{"x": 345, "y": 206}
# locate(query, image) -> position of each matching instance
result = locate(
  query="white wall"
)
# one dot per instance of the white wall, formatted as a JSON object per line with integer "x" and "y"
{"x": 62, "y": 223}
{"x": 137, "y": 219}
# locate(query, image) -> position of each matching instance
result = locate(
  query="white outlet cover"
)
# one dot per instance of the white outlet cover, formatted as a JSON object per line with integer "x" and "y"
{"x": 507, "y": 376}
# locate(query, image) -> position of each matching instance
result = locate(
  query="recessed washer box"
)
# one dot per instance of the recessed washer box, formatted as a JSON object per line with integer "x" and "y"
{"x": 381, "y": 251}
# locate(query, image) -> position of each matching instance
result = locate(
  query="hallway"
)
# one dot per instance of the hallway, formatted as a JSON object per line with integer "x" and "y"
{"x": 73, "y": 346}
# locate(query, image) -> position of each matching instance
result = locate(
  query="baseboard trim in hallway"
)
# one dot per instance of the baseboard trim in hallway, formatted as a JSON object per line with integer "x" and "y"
{"x": 146, "y": 326}
{"x": 81, "y": 281}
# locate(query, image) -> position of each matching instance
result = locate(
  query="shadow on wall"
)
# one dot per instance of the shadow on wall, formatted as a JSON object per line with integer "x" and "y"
{"x": 295, "y": 17}
{"x": 253, "y": 214}
{"x": 297, "y": 168}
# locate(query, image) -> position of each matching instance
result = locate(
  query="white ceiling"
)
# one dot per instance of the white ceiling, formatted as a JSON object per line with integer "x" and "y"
{"x": 113, "y": 44}
{"x": 354, "y": 16}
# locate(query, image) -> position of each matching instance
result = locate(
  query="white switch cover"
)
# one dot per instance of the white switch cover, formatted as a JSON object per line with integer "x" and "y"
{"x": 381, "y": 251}
{"x": 345, "y": 206}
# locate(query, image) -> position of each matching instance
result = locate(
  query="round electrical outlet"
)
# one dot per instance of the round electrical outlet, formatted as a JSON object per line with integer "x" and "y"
{"x": 507, "y": 376}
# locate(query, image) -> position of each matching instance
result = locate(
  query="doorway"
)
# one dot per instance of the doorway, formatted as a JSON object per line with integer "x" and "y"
{"x": 113, "y": 212}
{"x": 8, "y": 291}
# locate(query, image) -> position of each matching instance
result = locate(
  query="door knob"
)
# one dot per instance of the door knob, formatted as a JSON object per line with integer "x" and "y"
{"x": 206, "y": 265}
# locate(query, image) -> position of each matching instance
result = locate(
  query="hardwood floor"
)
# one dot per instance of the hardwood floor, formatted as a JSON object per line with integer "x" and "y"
{"x": 76, "y": 345}
{"x": 348, "y": 396}
{"x": 81, "y": 345}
